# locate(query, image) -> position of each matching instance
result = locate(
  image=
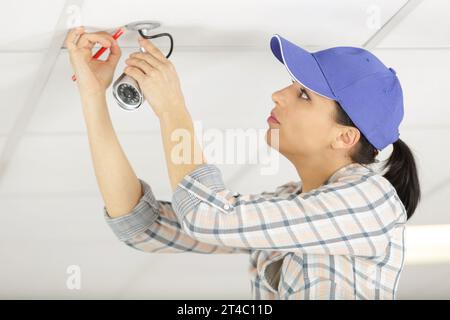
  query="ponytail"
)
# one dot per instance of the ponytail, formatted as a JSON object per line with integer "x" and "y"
{"x": 402, "y": 174}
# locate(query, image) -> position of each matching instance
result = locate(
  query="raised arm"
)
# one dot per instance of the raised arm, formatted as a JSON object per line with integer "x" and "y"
{"x": 117, "y": 181}
{"x": 152, "y": 226}
{"x": 131, "y": 210}
{"x": 160, "y": 84}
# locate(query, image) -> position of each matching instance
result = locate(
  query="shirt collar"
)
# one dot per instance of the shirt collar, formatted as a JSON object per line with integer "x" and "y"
{"x": 345, "y": 171}
{"x": 349, "y": 169}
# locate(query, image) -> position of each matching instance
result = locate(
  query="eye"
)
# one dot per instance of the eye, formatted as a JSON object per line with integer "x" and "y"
{"x": 302, "y": 94}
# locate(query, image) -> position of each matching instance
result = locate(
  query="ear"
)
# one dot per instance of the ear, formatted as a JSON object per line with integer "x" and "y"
{"x": 346, "y": 137}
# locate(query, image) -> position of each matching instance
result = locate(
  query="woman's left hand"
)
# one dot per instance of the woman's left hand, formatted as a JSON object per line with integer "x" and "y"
{"x": 157, "y": 78}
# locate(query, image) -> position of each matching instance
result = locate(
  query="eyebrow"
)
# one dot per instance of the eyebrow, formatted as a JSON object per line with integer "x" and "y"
{"x": 306, "y": 90}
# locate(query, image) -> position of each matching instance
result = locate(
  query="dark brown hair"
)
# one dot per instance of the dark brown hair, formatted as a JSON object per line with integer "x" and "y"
{"x": 401, "y": 166}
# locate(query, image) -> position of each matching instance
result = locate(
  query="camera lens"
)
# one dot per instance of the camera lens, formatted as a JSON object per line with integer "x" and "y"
{"x": 128, "y": 94}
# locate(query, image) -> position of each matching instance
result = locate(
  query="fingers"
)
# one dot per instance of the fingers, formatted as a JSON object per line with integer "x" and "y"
{"x": 135, "y": 73}
{"x": 114, "y": 53}
{"x": 88, "y": 40}
{"x": 148, "y": 58}
{"x": 152, "y": 49}
{"x": 72, "y": 37}
{"x": 139, "y": 63}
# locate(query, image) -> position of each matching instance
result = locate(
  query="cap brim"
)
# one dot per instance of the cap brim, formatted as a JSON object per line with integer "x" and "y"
{"x": 301, "y": 65}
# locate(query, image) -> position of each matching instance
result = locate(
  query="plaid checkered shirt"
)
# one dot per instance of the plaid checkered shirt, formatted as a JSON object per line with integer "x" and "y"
{"x": 343, "y": 240}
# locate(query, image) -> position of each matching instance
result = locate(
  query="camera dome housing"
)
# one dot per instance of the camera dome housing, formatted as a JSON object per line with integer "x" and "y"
{"x": 127, "y": 92}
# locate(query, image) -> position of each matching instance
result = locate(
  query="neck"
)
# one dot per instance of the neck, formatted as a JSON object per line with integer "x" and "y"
{"x": 314, "y": 171}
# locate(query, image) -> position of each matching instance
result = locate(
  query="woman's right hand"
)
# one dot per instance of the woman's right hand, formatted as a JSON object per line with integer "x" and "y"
{"x": 93, "y": 76}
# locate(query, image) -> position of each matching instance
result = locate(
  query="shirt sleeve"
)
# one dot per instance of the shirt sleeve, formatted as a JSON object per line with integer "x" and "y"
{"x": 352, "y": 216}
{"x": 152, "y": 226}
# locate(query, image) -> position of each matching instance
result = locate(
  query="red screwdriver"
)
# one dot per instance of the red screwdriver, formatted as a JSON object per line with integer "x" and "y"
{"x": 100, "y": 51}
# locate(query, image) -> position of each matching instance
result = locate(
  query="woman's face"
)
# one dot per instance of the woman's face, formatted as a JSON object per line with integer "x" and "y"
{"x": 306, "y": 121}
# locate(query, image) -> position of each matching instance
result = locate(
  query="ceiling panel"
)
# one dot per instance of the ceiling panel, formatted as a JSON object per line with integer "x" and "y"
{"x": 310, "y": 23}
{"x": 243, "y": 23}
{"x": 427, "y": 26}
{"x": 28, "y": 25}
{"x": 204, "y": 23}
{"x": 19, "y": 72}
{"x": 61, "y": 164}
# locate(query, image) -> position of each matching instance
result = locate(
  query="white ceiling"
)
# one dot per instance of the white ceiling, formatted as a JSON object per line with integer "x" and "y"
{"x": 202, "y": 23}
{"x": 222, "y": 56}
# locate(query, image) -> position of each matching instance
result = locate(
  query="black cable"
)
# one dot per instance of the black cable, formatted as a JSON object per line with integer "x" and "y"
{"x": 157, "y": 36}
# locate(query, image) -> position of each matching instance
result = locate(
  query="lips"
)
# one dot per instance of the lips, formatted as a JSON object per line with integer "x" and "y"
{"x": 273, "y": 117}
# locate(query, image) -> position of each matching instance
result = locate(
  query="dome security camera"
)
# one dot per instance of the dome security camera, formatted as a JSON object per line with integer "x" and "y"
{"x": 125, "y": 89}
{"x": 127, "y": 92}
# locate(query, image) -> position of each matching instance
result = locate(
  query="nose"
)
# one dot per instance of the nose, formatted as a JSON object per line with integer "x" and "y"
{"x": 279, "y": 98}
{"x": 276, "y": 97}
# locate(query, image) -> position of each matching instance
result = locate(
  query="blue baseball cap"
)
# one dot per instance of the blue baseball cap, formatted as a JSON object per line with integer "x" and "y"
{"x": 367, "y": 90}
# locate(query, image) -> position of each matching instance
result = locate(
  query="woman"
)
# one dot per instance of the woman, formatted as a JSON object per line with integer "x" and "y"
{"x": 335, "y": 234}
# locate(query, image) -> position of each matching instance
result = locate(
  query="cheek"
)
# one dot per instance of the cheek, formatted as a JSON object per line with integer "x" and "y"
{"x": 305, "y": 131}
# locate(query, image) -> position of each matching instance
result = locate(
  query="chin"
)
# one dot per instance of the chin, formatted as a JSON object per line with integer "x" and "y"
{"x": 272, "y": 139}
